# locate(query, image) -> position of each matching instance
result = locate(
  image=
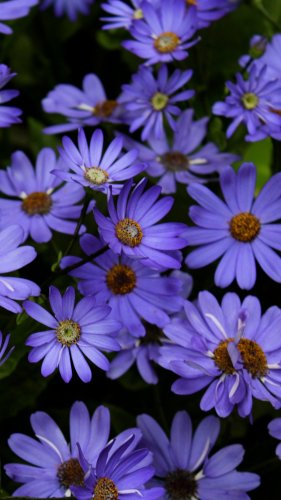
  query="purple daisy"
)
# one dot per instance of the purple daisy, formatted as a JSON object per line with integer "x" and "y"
{"x": 127, "y": 286}
{"x": 255, "y": 102}
{"x": 274, "y": 429}
{"x": 271, "y": 58}
{"x": 55, "y": 465}
{"x": 131, "y": 228}
{"x": 74, "y": 332}
{"x": 183, "y": 466}
{"x": 123, "y": 15}
{"x": 208, "y": 11}
{"x": 163, "y": 34}
{"x": 150, "y": 100}
{"x": 181, "y": 159}
{"x": 4, "y": 355}
{"x": 91, "y": 168}
{"x": 8, "y": 114}
{"x": 12, "y": 258}
{"x": 89, "y": 106}
{"x": 232, "y": 350}
{"x": 69, "y": 7}
{"x": 240, "y": 230}
{"x": 14, "y": 9}
{"x": 38, "y": 201}
{"x": 121, "y": 474}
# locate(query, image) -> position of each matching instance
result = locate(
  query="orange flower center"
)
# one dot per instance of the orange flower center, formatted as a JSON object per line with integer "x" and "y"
{"x": 244, "y": 227}
{"x": 105, "y": 489}
{"x": 166, "y": 42}
{"x": 253, "y": 357}
{"x": 121, "y": 279}
{"x": 105, "y": 109}
{"x": 129, "y": 232}
{"x": 37, "y": 203}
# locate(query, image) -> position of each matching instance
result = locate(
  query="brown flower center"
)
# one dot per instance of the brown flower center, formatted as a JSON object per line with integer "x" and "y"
{"x": 244, "y": 227}
{"x": 121, "y": 279}
{"x": 180, "y": 485}
{"x": 166, "y": 42}
{"x": 96, "y": 175}
{"x": 191, "y": 2}
{"x": 37, "y": 203}
{"x": 70, "y": 473}
{"x": 174, "y": 161}
{"x": 105, "y": 489}
{"x": 129, "y": 232}
{"x": 253, "y": 357}
{"x": 105, "y": 109}
{"x": 68, "y": 332}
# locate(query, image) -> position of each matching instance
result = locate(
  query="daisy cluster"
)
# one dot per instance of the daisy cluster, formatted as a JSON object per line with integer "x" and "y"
{"x": 102, "y": 234}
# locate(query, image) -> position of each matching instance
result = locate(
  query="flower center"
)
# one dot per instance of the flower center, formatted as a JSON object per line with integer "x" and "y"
{"x": 191, "y": 2}
{"x": 159, "y": 101}
{"x": 37, "y": 203}
{"x": 96, "y": 175}
{"x": 180, "y": 485}
{"x": 250, "y": 100}
{"x": 174, "y": 161}
{"x": 138, "y": 14}
{"x": 105, "y": 489}
{"x": 166, "y": 42}
{"x": 244, "y": 227}
{"x": 68, "y": 332}
{"x": 70, "y": 473}
{"x": 253, "y": 357}
{"x": 121, "y": 279}
{"x": 105, "y": 108}
{"x": 129, "y": 232}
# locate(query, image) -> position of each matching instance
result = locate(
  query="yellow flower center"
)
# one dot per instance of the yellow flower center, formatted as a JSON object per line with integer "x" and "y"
{"x": 70, "y": 473}
{"x": 105, "y": 489}
{"x": 159, "y": 101}
{"x": 121, "y": 279}
{"x": 250, "y": 100}
{"x": 166, "y": 42}
{"x": 244, "y": 227}
{"x": 68, "y": 332}
{"x": 253, "y": 357}
{"x": 129, "y": 232}
{"x": 37, "y": 203}
{"x": 96, "y": 175}
{"x": 138, "y": 14}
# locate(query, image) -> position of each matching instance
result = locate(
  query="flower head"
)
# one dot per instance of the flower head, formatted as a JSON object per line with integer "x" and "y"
{"x": 123, "y": 15}
{"x": 240, "y": 230}
{"x": 8, "y": 114}
{"x": 36, "y": 199}
{"x": 89, "y": 106}
{"x": 207, "y": 11}
{"x": 164, "y": 33}
{"x": 255, "y": 102}
{"x": 55, "y": 464}
{"x": 74, "y": 331}
{"x": 90, "y": 167}
{"x": 181, "y": 159}
{"x": 14, "y": 9}
{"x": 149, "y": 101}
{"x": 69, "y": 7}
{"x": 231, "y": 349}
{"x": 131, "y": 228}
{"x": 183, "y": 465}
{"x": 128, "y": 287}
{"x": 12, "y": 258}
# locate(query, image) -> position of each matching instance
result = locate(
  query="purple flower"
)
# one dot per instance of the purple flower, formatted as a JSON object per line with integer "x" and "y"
{"x": 14, "y": 9}
{"x": 127, "y": 286}
{"x": 163, "y": 34}
{"x": 149, "y": 101}
{"x": 37, "y": 201}
{"x": 91, "y": 168}
{"x": 240, "y": 230}
{"x": 274, "y": 429}
{"x": 255, "y": 102}
{"x": 8, "y": 114}
{"x": 89, "y": 106}
{"x": 183, "y": 466}
{"x": 74, "y": 332}
{"x": 123, "y": 15}
{"x": 69, "y": 7}
{"x": 181, "y": 159}
{"x": 3, "y": 348}
{"x": 55, "y": 465}
{"x": 131, "y": 228}
{"x": 231, "y": 349}
{"x": 12, "y": 258}
{"x": 119, "y": 474}
{"x": 257, "y": 48}
{"x": 208, "y": 11}
{"x": 271, "y": 58}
